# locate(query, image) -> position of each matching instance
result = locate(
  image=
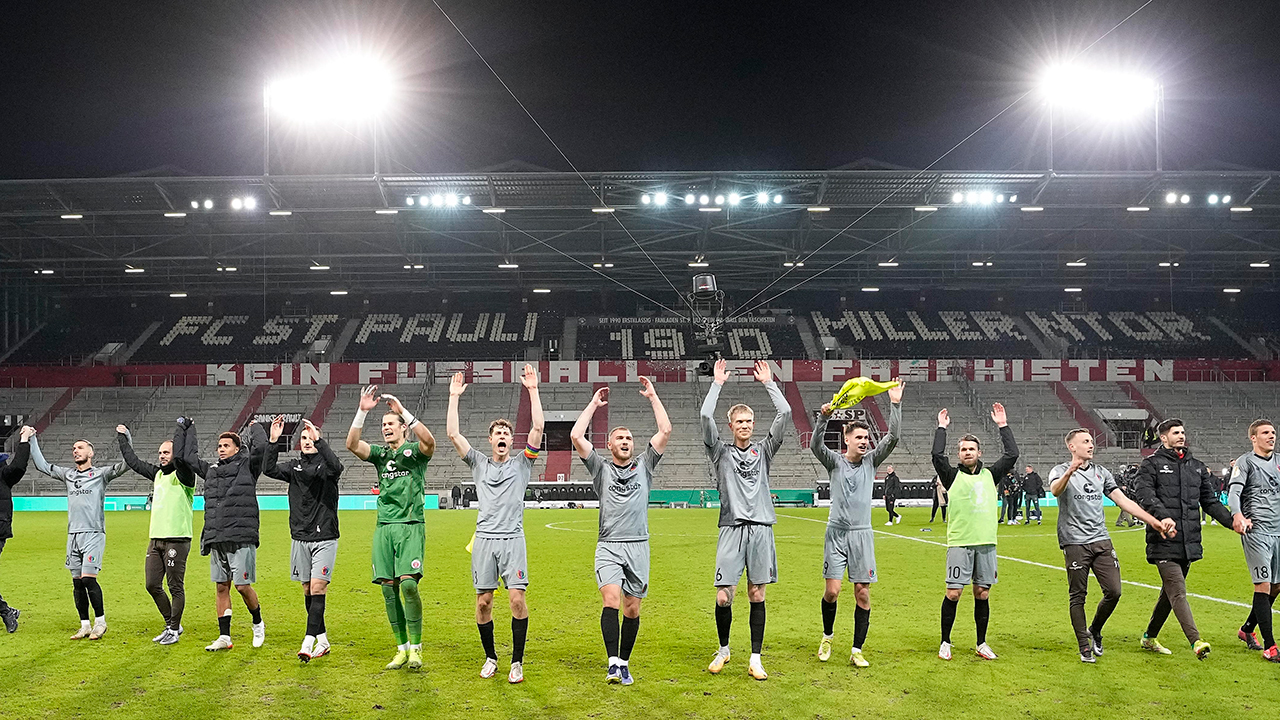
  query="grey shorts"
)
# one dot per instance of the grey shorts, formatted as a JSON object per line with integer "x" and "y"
{"x": 746, "y": 547}
{"x": 236, "y": 563}
{"x": 84, "y": 552}
{"x": 625, "y": 564}
{"x": 853, "y": 551}
{"x": 1262, "y": 554}
{"x": 499, "y": 558}
{"x": 312, "y": 560}
{"x": 972, "y": 564}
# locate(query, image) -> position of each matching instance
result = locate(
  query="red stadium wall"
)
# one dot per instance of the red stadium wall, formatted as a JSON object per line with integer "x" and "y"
{"x": 606, "y": 371}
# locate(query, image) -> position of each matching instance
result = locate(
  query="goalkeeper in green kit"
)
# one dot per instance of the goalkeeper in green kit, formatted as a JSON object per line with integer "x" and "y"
{"x": 400, "y": 536}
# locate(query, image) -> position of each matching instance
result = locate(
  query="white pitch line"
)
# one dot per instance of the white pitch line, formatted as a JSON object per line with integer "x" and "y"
{"x": 1033, "y": 562}
{"x": 552, "y": 526}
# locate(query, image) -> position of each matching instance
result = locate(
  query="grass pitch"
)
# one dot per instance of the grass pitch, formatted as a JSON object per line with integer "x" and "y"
{"x": 1038, "y": 673}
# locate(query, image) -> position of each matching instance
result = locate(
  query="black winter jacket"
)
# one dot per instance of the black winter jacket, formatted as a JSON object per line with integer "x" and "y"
{"x": 1172, "y": 484}
{"x": 10, "y": 474}
{"x": 313, "y": 490}
{"x": 1033, "y": 485}
{"x": 892, "y": 486}
{"x": 230, "y": 487}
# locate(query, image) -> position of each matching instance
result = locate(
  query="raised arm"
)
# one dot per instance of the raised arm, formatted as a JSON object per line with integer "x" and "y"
{"x": 125, "y": 439}
{"x": 54, "y": 471}
{"x": 1058, "y": 482}
{"x": 578, "y": 435}
{"x": 13, "y": 471}
{"x": 663, "y": 435}
{"x": 271, "y": 456}
{"x": 711, "y": 435}
{"x": 257, "y": 448}
{"x": 890, "y": 441}
{"x": 1009, "y": 456}
{"x": 941, "y": 463}
{"x": 190, "y": 452}
{"x": 818, "y": 445}
{"x": 782, "y": 409}
{"x": 426, "y": 441}
{"x": 368, "y": 401}
{"x": 460, "y": 443}
{"x": 530, "y": 381}
{"x": 327, "y": 454}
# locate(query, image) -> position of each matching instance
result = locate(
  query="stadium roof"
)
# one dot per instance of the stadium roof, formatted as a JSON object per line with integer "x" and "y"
{"x": 557, "y": 226}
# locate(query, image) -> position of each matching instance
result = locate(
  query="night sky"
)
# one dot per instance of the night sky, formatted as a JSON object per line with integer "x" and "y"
{"x": 100, "y": 89}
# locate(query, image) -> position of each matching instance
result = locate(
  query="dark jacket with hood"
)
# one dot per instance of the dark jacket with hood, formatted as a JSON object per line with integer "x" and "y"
{"x": 1172, "y": 484}
{"x": 230, "y": 486}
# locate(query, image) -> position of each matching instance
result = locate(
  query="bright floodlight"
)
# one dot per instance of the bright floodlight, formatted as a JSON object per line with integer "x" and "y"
{"x": 703, "y": 200}
{"x": 734, "y": 198}
{"x": 1226, "y": 199}
{"x": 986, "y": 197}
{"x": 1171, "y": 198}
{"x": 1108, "y": 95}
{"x": 957, "y": 197}
{"x": 208, "y": 204}
{"x": 346, "y": 89}
{"x": 408, "y": 200}
{"x": 688, "y": 199}
{"x": 1185, "y": 199}
{"x": 451, "y": 199}
{"x": 250, "y": 203}
{"x": 971, "y": 197}
{"x": 762, "y": 198}
{"x": 660, "y": 198}
{"x": 1213, "y": 199}
{"x": 645, "y": 199}
{"x": 437, "y": 200}
{"x": 777, "y": 199}
{"x": 236, "y": 203}
{"x": 719, "y": 199}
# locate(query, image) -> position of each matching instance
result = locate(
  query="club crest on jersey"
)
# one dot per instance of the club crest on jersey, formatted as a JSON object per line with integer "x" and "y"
{"x": 1166, "y": 469}
{"x": 416, "y": 564}
{"x": 173, "y": 552}
{"x": 520, "y": 574}
{"x": 324, "y": 570}
{"x": 90, "y": 558}
{"x": 754, "y": 452}
{"x": 246, "y": 575}
{"x": 408, "y": 452}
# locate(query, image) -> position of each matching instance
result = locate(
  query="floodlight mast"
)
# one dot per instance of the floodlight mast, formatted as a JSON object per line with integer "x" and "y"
{"x": 1085, "y": 89}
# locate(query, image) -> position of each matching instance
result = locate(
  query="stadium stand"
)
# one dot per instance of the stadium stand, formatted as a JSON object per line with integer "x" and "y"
{"x": 631, "y": 338}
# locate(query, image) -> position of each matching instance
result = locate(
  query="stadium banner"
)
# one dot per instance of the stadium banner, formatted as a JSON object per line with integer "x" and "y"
{"x": 663, "y": 371}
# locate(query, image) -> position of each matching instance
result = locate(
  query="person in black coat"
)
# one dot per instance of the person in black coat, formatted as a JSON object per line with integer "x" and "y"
{"x": 230, "y": 534}
{"x": 892, "y": 489}
{"x": 10, "y": 474}
{"x": 313, "y": 523}
{"x": 1173, "y": 484}
{"x": 1033, "y": 489}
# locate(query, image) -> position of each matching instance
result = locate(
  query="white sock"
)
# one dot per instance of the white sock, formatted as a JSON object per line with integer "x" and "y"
{"x": 323, "y": 638}
{"x": 755, "y": 658}
{"x": 724, "y": 649}
{"x": 417, "y": 647}
{"x": 622, "y": 662}
{"x": 102, "y": 619}
{"x": 614, "y": 660}
{"x": 856, "y": 650}
{"x": 828, "y": 637}
{"x": 85, "y": 624}
{"x": 225, "y": 637}
{"x": 404, "y": 647}
{"x": 308, "y": 639}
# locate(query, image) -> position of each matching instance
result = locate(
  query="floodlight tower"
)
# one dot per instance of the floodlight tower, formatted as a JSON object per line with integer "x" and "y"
{"x": 1108, "y": 96}
{"x": 346, "y": 89}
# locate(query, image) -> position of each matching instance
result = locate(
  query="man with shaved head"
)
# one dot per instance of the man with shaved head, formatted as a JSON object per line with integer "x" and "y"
{"x": 173, "y": 491}
{"x": 86, "y": 527}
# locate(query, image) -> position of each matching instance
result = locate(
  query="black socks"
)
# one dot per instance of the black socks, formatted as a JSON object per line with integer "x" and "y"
{"x": 256, "y": 613}
{"x": 224, "y": 625}
{"x": 861, "y": 621}
{"x": 486, "y": 639}
{"x": 94, "y": 591}
{"x": 630, "y": 628}
{"x": 1262, "y": 617}
{"x": 315, "y": 614}
{"x": 609, "y": 629}
{"x": 519, "y": 630}
{"x": 724, "y": 621}
{"x": 981, "y": 613}
{"x": 756, "y": 620}
{"x": 81, "y": 596}
{"x": 948, "y": 617}
{"x": 828, "y": 617}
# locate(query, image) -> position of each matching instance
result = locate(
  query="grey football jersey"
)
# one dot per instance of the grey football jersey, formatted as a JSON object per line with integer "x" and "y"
{"x": 742, "y": 475}
{"x": 500, "y": 489}
{"x": 623, "y": 493}
{"x": 86, "y": 490}
{"x": 1254, "y": 491}
{"x": 851, "y": 485}
{"x": 1080, "y": 515}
